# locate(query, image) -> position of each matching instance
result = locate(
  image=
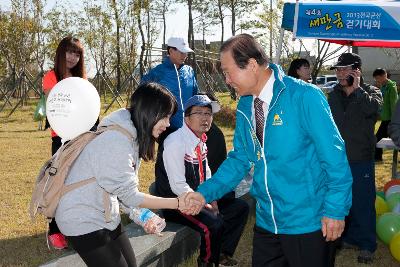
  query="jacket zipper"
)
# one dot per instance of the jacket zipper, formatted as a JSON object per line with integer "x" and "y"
{"x": 265, "y": 164}
{"x": 265, "y": 170}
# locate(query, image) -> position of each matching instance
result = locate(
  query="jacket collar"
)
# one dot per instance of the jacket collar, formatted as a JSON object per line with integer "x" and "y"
{"x": 190, "y": 137}
{"x": 246, "y": 101}
{"x": 167, "y": 62}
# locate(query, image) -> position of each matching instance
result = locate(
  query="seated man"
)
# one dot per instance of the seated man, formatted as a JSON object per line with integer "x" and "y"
{"x": 181, "y": 166}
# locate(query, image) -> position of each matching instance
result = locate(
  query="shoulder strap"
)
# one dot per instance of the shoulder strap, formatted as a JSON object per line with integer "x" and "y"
{"x": 73, "y": 186}
{"x": 115, "y": 127}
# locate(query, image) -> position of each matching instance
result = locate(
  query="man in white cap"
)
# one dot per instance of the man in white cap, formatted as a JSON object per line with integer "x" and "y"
{"x": 180, "y": 79}
{"x": 182, "y": 165}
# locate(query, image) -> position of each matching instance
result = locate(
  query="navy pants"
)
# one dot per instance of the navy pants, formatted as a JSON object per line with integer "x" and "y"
{"x": 219, "y": 234}
{"x": 361, "y": 221}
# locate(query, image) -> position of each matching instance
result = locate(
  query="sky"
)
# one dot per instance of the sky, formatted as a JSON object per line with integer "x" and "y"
{"x": 177, "y": 23}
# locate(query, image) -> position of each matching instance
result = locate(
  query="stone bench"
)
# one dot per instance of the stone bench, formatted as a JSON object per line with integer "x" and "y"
{"x": 177, "y": 243}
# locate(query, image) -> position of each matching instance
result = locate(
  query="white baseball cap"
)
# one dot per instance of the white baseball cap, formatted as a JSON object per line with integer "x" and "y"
{"x": 180, "y": 44}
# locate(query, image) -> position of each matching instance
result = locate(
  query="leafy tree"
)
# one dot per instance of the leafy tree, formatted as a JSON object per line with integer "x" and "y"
{"x": 59, "y": 22}
{"x": 40, "y": 32}
{"x": 97, "y": 32}
{"x": 205, "y": 18}
{"x": 238, "y": 10}
{"x": 221, "y": 16}
{"x": 325, "y": 52}
{"x": 17, "y": 42}
{"x": 163, "y": 8}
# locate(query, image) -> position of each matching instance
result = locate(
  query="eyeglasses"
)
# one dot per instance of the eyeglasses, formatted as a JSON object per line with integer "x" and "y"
{"x": 201, "y": 114}
{"x": 338, "y": 69}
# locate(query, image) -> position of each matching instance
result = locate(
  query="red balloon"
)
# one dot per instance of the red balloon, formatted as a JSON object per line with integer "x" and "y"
{"x": 390, "y": 183}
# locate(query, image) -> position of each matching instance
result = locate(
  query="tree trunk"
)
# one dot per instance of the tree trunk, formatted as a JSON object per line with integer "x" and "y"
{"x": 221, "y": 19}
{"x": 190, "y": 33}
{"x": 146, "y": 59}
{"x": 117, "y": 46}
{"x": 142, "y": 48}
{"x": 233, "y": 25}
{"x": 164, "y": 23}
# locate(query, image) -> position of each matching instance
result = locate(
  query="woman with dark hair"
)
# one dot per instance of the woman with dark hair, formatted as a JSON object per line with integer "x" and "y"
{"x": 68, "y": 62}
{"x": 113, "y": 158}
{"x": 300, "y": 69}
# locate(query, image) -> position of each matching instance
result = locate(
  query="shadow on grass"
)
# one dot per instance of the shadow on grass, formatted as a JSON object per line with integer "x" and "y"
{"x": 19, "y": 131}
{"x": 26, "y": 251}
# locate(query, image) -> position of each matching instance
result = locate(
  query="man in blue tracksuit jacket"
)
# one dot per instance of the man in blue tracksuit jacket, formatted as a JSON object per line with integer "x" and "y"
{"x": 179, "y": 79}
{"x": 302, "y": 180}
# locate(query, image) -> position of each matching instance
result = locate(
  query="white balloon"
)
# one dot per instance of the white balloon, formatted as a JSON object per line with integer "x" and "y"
{"x": 72, "y": 107}
{"x": 391, "y": 190}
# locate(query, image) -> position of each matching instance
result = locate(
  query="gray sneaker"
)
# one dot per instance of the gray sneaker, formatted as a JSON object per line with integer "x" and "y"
{"x": 365, "y": 256}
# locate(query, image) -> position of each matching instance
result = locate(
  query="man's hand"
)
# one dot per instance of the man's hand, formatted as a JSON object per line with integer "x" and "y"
{"x": 356, "y": 74}
{"x": 213, "y": 207}
{"x": 194, "y": 202}
{"x": 332, "y": 229}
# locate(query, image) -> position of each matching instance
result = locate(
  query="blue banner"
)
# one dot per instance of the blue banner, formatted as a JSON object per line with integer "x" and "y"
{"x": 348, "y": 20}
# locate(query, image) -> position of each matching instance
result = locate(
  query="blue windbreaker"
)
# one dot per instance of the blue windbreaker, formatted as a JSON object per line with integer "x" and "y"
{"x": 183, "y": 89}
{"x": 302, "y": 174}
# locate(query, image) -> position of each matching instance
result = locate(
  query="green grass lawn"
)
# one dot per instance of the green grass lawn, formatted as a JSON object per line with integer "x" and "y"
{"x": 24, "y": 149}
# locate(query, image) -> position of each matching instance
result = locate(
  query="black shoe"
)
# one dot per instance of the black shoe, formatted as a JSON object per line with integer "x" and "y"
{"x": 365, "y": 256}
{"x": 201, "y": 263}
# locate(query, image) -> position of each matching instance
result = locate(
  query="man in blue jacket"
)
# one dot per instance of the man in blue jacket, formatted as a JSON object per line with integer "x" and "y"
{"x": 302, "y": 180}
{"x": 179, "y": 79}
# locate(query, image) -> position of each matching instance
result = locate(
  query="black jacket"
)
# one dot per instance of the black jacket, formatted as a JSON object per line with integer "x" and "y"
{"x": 355, "y": 116}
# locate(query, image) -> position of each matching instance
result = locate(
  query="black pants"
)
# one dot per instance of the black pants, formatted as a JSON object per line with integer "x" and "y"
{"x": 55, "y": 145}
{"x": 381, "y": 133}
{"x": 302, "y": 250}
{"x": 219, "y": 234}
{"x": 105, "y": 248}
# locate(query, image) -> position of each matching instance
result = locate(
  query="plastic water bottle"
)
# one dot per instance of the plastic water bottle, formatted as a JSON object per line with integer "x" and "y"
{"x": 142, "y": 216}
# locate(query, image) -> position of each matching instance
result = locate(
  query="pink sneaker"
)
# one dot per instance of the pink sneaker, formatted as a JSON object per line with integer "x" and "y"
{"x": 58, "y": 241}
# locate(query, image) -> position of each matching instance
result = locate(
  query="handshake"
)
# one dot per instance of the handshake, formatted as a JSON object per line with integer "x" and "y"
{"x": 191, "y": 203}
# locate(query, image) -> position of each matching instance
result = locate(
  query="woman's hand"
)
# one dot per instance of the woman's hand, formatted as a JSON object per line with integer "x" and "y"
{"x": 154, "y": 225}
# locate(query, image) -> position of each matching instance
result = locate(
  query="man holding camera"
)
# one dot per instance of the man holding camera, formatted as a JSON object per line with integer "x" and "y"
{"x": 355, "y": 108}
